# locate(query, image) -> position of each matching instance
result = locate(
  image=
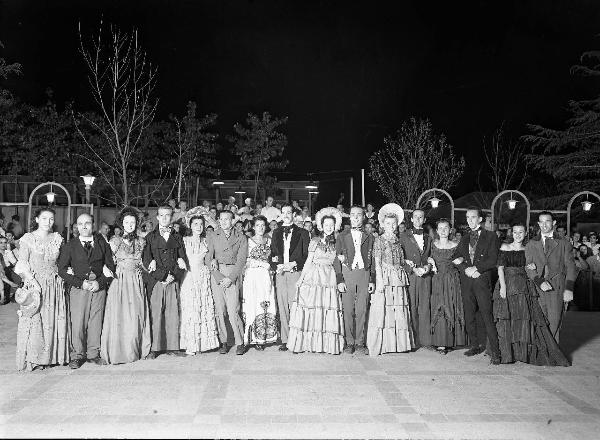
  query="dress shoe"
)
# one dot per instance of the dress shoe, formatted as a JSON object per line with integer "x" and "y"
{"x": 240, "y": 350}
{"x": 349, "y": 349}
{"x": 152, "y": 355}
{"x": 474, "y": 351}
{"x": 360, "y": 349}
{"x": 495, "y": 359}
{"x": 259, "y": 347}
{"x": 283, "y": 347}
{"x": 224, "y": 349}
{"x": 176, "y": 353}
{"x": 76, "y": 363}
{"x": 98, "y": 361}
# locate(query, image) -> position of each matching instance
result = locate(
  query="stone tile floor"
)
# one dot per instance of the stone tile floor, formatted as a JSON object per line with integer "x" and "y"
{"x": 280, "y": 395}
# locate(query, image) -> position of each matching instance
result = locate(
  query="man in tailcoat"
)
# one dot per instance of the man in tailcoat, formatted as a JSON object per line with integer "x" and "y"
{"x": 355, "y": 278}
{"x": 86, "y": 257}
{"x": 227, "y": 253}
{"x": 417, "y": 249}
{"x": 479, "y": 252}
{"x": 550, "y": 264}
{"x": 164, "y": 256}
{"x": 289, "y": 250}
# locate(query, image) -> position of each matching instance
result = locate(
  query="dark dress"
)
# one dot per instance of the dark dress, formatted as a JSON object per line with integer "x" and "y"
{"x": 447, "y": 315}
{"x": 523, "y": 330}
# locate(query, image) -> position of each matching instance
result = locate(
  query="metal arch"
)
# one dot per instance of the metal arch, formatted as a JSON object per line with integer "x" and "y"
{"x": 30, "y": 205}
{"x": 512, "y": 191}
{"x": 443, "y": 192}
{"x": 581, "y": 193}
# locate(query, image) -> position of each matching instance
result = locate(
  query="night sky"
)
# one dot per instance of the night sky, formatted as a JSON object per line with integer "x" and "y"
{"x": 345, "y": 73}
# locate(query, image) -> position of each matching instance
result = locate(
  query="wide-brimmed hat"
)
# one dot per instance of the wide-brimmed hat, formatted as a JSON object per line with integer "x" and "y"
{"x": 390, "y": 208}
{"x": 29, "y": 298}
{"x": 200, "y": 211}
{"x": 330, "y": 210}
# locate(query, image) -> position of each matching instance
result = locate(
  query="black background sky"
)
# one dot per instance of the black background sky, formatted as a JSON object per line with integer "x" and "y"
{"x": 346, "y": 73}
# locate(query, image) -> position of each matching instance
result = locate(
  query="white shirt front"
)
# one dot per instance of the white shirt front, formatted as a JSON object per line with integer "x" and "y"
{"x": 358, "y": 262}
{"x": 286, "y": 246}
{"x": 420, "y": 241}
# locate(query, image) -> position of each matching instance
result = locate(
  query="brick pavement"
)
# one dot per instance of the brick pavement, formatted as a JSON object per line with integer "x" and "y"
{"x": 273, "y": 395}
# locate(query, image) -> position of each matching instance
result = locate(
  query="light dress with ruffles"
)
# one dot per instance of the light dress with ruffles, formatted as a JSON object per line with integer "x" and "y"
{"x": 316, "y": 317}
{"x": 389, "y": 328}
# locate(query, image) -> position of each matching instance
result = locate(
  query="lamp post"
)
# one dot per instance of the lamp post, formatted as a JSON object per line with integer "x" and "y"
{"x": 50, "y": 196}
{"x": 241, "y": 193}
{"x": 512, "y": 204}
{"x": 217, "y": 184}
{"x": 88, "y": 181}
{"x": 435, "y": 202}
{"x": 586, "y": 205}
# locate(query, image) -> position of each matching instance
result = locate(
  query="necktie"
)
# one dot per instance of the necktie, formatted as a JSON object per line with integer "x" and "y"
{"x": 418, "y": 232}
{"x": 473, "y": 237}
{"x": 87, "y": 245}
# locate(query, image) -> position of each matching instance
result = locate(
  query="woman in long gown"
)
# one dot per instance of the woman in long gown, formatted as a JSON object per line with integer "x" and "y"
{"x": 259, "y": 293}
{"x": 198, "y": 322}
{"x": 316, "y": 318}
{"x": 36, "y": 265}
{"x": 447, "y": 315}
{"x": 523, "y": 330}
{"x": 389, "y": 328}
{"x": 126, "y": 328}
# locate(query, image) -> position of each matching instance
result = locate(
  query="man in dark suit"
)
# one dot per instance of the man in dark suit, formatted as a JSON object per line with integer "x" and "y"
{"x": 164, "y": 256}
{"x": 356, "y": 278}
{"x": 289, "y": 250}
{"x": 479, "y": 252}
{"x": 86, "y": 256}
{"x": 550, "y": 265}
{"x": 417, "y": 249}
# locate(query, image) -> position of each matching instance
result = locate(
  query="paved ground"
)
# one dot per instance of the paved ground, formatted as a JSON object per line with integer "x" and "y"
{"x": 273, "y": 394}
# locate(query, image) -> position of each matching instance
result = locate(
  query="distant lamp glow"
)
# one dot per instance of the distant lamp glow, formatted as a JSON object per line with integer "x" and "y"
{"x": 313, "y": 192}
{"x": 50, "y": 196}
{"x": 88, "y": 180}
{"x": 435, "y": 202}
{"x": 218, "y": 182}
{"x": 240, "y": 191}
{"x": 587, "y": 205}
{"x": 512, "y": 204}
{"x": 311, "y": 185}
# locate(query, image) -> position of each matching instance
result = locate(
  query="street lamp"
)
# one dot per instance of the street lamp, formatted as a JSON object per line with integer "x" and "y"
{"x": 88, "y": 181}
{"x": 512, "y": 203}
{"x": 587, "y": 205}
{"x": 311, "y": 186}
{"x": 240, "y": 192}
{"x": 50, "y": 196}
{"x": 435, "y": 202}
{"x": 218, "y": 182}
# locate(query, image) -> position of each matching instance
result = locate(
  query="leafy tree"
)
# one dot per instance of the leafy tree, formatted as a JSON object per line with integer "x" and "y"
{"x": 259, "y": 147}
{"x": 571, "y": 155}
{"x": 413, "y": 160}
{"x": 7, "y": 69}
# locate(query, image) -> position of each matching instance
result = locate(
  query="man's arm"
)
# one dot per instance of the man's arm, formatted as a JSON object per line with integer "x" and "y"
{"x": 108, "y": 262}
{"x": 276, "y": 258}
{"x": 63, "y": 263}
{"x": 461, "y": 252}
{"x": 304, "y": 242}
{"x": 405, "y": 244}
{"x": 160, "y": 274}
{"x": 569, "y": 265}
{"x": 211, "y": 255}
{"x": 241, "y": 257}
{"x": 337, "y": 264}
{"x": 491, "y": 256}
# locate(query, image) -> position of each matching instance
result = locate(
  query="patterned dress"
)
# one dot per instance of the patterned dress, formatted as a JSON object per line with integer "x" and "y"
{"x": 38, "y": 256}
{"x": 316, "y": 318}
{"x": 447, "y": 315}
{"x": 523, "y": 330}
{"x": 198, "y": 322}
{"x": 259, "y": 310}
{"x": 389, "y": 317}
{"x": 126, "y": 328}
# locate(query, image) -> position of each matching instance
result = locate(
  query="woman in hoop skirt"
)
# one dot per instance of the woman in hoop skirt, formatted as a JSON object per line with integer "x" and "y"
{"x": 258, "y": 291}
{"x": 523, "y": 330}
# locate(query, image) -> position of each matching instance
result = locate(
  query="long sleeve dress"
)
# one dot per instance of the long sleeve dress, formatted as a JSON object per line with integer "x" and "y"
{"x": 37, "y": 258}
{"x": 198, "y": 322}
{"x": 316, "y": 318}
{"x": 389, "y": 317}
{"x": 447, "y": 315}
{"x": 259, "y": 304}
{"x": 523, "y": 331}
{"x": 126, "y": 328}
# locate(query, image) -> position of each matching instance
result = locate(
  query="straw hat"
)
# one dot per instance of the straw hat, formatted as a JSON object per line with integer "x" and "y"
{"x": 29, "y": 298}
{"x": 330, "y": 210}
{"x": 390, "y": 208}
{"x": 199, "y": 211}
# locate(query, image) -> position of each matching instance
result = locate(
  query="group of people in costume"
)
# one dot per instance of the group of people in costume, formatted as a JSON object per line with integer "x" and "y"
{"x": 349, "y": 292}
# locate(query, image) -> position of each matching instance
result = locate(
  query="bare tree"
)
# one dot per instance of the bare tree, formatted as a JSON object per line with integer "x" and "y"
{"x": 122, "y": 82}
{"x": 413, "y": 160}
{"x": 505, "y": 160}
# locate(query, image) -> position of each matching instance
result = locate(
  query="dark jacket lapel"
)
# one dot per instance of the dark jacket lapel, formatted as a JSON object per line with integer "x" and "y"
{"x": 295, "y": 238}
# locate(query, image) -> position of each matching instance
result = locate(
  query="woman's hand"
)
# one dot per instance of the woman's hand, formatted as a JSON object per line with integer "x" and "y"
{"x": 502, "y": 291}
{"x": 531, "y": 266}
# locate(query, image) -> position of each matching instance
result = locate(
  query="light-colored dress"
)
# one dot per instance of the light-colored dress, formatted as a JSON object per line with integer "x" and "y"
{"x": 198, "y": 322}
{"x": 38, "y": 257}
{"x": 389, "y": 317}
{"x": 259, "y": 310}
{"x": 316, "y": 317}
{"x": 126, "y": 329}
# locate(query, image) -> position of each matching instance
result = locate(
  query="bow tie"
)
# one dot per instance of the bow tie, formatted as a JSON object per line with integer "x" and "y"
{"x": 287, "y": 229}
{"x": 131, "y": 236}
{"x": 474, "y": 233}
{"x": 550, "y": 236}
{"x": 164, "y": 231}
{"x": 357, "y": 228}
{"x": 418, "y": 231}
